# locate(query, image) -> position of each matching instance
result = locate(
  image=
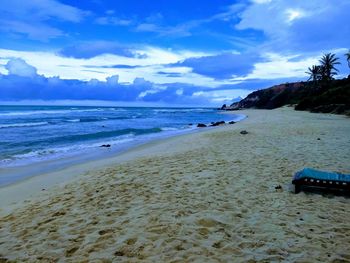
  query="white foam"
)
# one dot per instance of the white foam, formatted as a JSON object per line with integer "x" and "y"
{"x": 26, "y": 113}
{"x": 62, "y": 151}
{"x": 169, "y": 129}
{"x": 25, "y": 124}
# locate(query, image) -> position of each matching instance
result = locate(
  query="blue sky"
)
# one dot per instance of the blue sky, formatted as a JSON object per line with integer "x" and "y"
{"x": 161, "y": 52}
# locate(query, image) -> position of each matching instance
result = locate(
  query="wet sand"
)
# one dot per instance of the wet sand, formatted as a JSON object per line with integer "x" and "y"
{"x": 204, "y": 197}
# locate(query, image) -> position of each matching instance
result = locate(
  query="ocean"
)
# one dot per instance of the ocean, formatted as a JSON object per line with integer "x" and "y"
{"x": 33, "y": 134}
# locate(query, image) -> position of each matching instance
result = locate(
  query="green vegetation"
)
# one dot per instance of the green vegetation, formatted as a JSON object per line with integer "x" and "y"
{"x": 347, "y": 55}
{"x": 328, "y": 70}
{"x": 326, "y": 94}
{"x": 321, "y": 93}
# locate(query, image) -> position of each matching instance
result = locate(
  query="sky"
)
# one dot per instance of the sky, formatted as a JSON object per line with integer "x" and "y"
{"x": 162, "y": 52}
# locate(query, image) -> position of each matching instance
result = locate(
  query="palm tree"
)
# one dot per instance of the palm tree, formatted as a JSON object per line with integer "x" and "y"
{"x": 347, "y": 55}
{"x": 314, "y": 72}
{"x": 328, "y": 62}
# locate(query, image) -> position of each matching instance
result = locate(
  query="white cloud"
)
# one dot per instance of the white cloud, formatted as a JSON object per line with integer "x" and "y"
{"x": 293, "y": 14}
{"x": 101, "y": 67}
{"x": 42, "y": 10}
{"x": 31, "y": 17}
{"x": 17, "y": 66}
{"x": 37, "y": 31}
{"x": 279, "y": 66}
{"x": 261, "y": 1}
{"x": 222, "y": 96}
{"x": 299, "y": 25}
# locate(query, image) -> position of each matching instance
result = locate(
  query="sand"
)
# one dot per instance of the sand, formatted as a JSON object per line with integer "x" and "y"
{"x": 204, "y": 197}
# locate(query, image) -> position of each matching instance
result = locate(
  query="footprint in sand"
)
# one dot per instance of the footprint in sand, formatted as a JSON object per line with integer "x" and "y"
{"x": 71, "y": 251}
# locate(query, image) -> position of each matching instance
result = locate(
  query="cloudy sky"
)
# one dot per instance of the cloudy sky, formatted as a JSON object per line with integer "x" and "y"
{"x": 161, "y": 52}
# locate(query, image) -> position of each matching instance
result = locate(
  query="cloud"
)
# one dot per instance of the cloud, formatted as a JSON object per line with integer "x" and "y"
{"x": 223, "y": 66}
{"x": 170, "y": 74}
{"x": 120, "y": 66}
{"x": 32, "y": 18}
{"x": 113, "y": 21}
{"x": 151, "y": 61}
{"x": 90, "y": 49}
{"x": 112, "y": 80}
{"x": 157, "y": 24}
{"x": 17, "y": 66}
{"x": 276, "y": 66}
{"x": 181, "y": 30}
{"x": 43, "y": 10}
{"x": 34, "y": 30}
{"x": 23, "y": 83}
{"x": 299, "y": 26}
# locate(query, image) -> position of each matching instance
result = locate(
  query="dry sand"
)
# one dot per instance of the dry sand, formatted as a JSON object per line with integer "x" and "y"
{"x": 205, "y": 197}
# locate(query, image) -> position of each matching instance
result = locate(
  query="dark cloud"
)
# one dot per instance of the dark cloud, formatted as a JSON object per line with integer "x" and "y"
{"x": 222, "y": 66}
{"x": 92, "y": 49}
{"x": 18, "y": 66}
{"x": 23, "y": 83}
{"x": 170, "y": 74}
{"x": 14, "y": 88}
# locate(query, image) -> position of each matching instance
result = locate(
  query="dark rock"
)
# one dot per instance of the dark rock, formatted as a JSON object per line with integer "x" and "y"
{"x": 217, "y": 123}
{"x": 105, "y": 145}
{"x": 278, "y": 187}
{"x": 232, "y": 122}
{"x": 244, "y": 132}
{"x": 201, "y": 125}
{"x": 318, "y": 139}
{"x": 223, "y": 107}
{"x": 119, "y": 253}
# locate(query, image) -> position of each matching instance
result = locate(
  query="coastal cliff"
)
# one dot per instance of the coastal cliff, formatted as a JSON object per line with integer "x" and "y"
{"x": 330, "y": 97}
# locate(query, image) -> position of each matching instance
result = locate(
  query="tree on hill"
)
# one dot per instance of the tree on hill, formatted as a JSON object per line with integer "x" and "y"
{"x": 347, "y": 55}
{"x": 314, "y": 72}
{"x": 328, "y": 62}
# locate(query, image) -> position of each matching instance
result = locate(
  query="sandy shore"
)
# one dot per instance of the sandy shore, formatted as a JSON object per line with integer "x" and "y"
{"x": 204, "y": 197}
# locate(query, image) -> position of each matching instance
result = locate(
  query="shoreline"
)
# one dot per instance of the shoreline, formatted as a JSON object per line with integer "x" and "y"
{"x": 32, "y": 187}
{"x": 194, "y": 197}
{"x": 55, "y": 163}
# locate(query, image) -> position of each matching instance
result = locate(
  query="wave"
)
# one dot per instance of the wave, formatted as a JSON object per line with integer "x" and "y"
{"x": 78, "y": 138}
{"x": 61, "y": 151}
{"x": 66, "y": 111}
{"x": 104, "y": 134}
{"x": 25, "y": 124}
{"x": 74, "y": 120}
{"x": 169, "y": 129}
{"x": 196, "y": 110}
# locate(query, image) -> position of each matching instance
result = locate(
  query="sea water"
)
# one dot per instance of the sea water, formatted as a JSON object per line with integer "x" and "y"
{"x": 34, "y": 134}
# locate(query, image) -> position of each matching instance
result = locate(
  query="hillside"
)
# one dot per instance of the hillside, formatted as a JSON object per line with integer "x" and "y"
{"x": 330, "y": 97}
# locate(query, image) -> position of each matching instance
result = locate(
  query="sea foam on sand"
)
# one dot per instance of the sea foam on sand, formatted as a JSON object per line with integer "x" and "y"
{"x": 204, "y": 197}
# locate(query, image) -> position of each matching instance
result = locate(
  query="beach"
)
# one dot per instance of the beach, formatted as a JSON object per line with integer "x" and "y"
{"x": 202, "y": 197}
